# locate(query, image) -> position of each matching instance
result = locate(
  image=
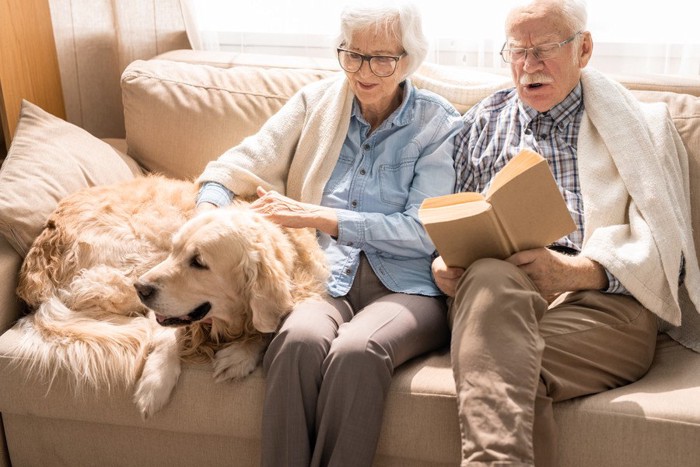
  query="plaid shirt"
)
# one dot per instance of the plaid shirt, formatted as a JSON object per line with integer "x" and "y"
{"x": 497, "y": 128}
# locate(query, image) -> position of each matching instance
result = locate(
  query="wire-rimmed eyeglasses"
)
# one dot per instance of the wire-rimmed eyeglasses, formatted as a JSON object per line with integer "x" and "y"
{"x": 540, "y": 52}
{"x": 380, "y": 65}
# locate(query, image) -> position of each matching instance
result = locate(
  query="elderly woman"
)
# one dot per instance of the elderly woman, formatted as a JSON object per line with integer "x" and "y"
{"x": 352, "y": 157}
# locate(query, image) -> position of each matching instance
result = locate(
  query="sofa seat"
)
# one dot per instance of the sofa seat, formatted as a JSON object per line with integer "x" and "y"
{"x": 655, "y": 421}
{"x": 220, "y": 421}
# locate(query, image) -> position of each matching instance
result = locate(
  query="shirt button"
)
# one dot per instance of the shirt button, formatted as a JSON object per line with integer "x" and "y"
{"x": 528, "y": 131}
{"x": 353, "y": 204}
{"x": 350, "y": 243}
{"x": 543, "y": 136}
{"x": 365, "y": 147}
{"x": 363, "y": 172}
{"x": 348, "y": 271}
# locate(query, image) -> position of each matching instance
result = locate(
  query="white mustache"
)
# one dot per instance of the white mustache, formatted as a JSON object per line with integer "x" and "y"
{"x": 535, "y": 78}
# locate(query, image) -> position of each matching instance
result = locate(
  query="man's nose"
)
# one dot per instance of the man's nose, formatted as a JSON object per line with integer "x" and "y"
{"x": 531, "y": 63}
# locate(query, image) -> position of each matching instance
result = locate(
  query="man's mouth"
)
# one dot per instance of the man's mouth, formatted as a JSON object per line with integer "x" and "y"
{"x": 195, "y": 315}
{"x": 534, "y": 85}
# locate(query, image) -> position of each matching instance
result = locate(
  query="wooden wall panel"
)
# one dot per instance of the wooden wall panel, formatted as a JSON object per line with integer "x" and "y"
{"x": 28, "y": 64}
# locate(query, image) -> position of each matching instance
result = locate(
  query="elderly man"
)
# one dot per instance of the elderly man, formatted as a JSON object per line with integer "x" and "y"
{"x": 580, "y": 316}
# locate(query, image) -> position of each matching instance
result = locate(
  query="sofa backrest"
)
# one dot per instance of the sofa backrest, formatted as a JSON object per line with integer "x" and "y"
{"x": 186, "y": 108}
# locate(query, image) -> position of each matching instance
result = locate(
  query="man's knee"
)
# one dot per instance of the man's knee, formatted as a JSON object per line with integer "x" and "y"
{"x": 490, "y": 283}
{"x": 487, "y": 273}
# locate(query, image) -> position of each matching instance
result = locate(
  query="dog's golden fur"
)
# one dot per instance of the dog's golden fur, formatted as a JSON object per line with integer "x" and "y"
{"x": 81, "y": 276}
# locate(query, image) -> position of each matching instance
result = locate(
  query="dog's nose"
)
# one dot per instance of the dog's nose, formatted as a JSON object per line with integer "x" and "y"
{"x": 144, "y": 291}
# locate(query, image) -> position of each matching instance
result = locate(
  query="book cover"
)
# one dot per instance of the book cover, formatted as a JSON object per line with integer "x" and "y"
{"x": 522, "y": 209}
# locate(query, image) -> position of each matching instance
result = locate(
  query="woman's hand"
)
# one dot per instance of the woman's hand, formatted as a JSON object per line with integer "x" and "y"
{"x": 204, "y": 206}
{"x": 290, "y": 213}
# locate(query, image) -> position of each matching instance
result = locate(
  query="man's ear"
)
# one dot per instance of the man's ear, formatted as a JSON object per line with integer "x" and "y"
{"x": 586, "y": 49}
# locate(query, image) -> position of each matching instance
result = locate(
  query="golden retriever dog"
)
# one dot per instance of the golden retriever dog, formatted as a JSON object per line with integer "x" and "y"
{"x": 127, "y": 280}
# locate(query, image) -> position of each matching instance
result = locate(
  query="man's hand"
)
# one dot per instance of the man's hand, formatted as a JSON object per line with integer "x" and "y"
{"x": 554, "y": 273}
{"x": 446, "y": 277}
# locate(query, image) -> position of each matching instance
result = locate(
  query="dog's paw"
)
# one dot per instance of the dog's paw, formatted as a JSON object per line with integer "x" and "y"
{"x": 151, "y": 395}
{"x": 236, "y": 361}
{"x": 159, "y": 376}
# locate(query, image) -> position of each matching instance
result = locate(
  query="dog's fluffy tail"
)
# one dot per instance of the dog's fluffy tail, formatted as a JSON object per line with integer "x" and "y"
{"x": 94, "y": 353}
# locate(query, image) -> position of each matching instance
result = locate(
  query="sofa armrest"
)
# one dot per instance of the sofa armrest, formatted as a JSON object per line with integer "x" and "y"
{"x": 4, "y": 455}
{"x": 10, "y": 305}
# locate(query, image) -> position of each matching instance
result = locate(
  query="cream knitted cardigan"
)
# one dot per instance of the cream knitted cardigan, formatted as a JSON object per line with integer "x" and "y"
{"x": 296, "y": 150}
{"x": 631, "y": 153}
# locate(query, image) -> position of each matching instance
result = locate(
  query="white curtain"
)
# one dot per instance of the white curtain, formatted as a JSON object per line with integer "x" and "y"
{"x": 629, "y": 37}
{"x": 96, "y": 40}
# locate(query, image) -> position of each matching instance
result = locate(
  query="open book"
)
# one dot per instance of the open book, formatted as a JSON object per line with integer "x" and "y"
{"x": 523, "y": 208}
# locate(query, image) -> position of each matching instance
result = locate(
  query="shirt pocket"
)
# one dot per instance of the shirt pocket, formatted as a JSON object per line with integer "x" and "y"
{"x": 340, "y": 174}
{"x": 395, "y": 182}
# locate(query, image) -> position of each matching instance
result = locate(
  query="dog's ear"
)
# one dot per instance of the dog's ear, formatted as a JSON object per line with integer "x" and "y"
{"x": 48, "y": 262}
{"x": 270, "y": 294}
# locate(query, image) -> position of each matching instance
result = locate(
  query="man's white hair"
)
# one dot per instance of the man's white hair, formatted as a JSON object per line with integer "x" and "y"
{"x": 574, "y": 12}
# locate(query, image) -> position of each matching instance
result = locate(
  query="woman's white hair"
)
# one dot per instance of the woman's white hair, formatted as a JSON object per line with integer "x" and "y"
{"x": 401, "y": 19}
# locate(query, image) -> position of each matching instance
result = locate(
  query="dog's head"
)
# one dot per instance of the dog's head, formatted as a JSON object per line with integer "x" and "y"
{"x": 225, "y": 263}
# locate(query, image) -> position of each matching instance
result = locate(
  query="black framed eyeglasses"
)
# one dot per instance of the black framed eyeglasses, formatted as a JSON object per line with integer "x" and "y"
{"x": 380, "y": 65}
{"x": 540, "y": 52}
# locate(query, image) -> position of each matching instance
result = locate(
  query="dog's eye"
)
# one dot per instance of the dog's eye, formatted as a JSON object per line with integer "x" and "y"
{"x": 197, "y": 262}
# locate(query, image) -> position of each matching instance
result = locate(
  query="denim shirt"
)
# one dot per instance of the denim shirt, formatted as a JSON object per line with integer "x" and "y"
{"x": 377, "y": 186}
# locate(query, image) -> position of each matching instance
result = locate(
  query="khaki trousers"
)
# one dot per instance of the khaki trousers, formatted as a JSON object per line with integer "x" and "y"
{"x": 329, "y": 367}
{"x": 513, "y": 354}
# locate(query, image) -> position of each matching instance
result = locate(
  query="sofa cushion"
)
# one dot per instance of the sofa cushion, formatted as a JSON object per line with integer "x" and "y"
{"x": 652, "y": 422}
{"x": 179, "y": 116}
{"x": 463, "y": 87}
{"x": 49, "y": 159}
{"x": 649, "y": 422}
{"x": 422, "y": 389}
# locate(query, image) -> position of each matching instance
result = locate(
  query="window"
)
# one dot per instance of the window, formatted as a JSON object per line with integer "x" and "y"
{"x": 628, "y": 38}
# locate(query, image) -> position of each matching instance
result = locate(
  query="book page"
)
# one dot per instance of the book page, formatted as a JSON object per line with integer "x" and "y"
{"x": 520, "y": 163}
{"x": 449, "y": 207}
{"x": 451, "y": 199}
{"x": 531, "y": 209}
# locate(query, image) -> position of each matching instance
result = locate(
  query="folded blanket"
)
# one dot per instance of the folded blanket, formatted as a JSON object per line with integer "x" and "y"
{"x": 635, "y": 186}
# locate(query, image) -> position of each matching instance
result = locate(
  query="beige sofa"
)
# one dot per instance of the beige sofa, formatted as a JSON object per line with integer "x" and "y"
{"x": 181, "y": 111}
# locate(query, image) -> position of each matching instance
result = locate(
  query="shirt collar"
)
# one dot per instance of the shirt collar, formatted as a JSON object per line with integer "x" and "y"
{"x": 402, "y": 116}
{"x": 563, "y": 113}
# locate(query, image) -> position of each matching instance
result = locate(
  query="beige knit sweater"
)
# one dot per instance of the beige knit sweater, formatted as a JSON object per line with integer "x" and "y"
{"x": 296, "y": 150}
{"x": 630, "y": 152}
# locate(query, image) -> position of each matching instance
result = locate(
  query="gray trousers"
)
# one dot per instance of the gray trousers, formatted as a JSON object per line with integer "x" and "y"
{"x": 513, "y": 354}
{"x": 329, "y": 367}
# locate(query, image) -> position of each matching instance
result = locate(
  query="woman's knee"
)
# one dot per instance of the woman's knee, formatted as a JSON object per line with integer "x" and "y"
{"x": 298, "y": 343}
{"x": 356, "y": 354}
